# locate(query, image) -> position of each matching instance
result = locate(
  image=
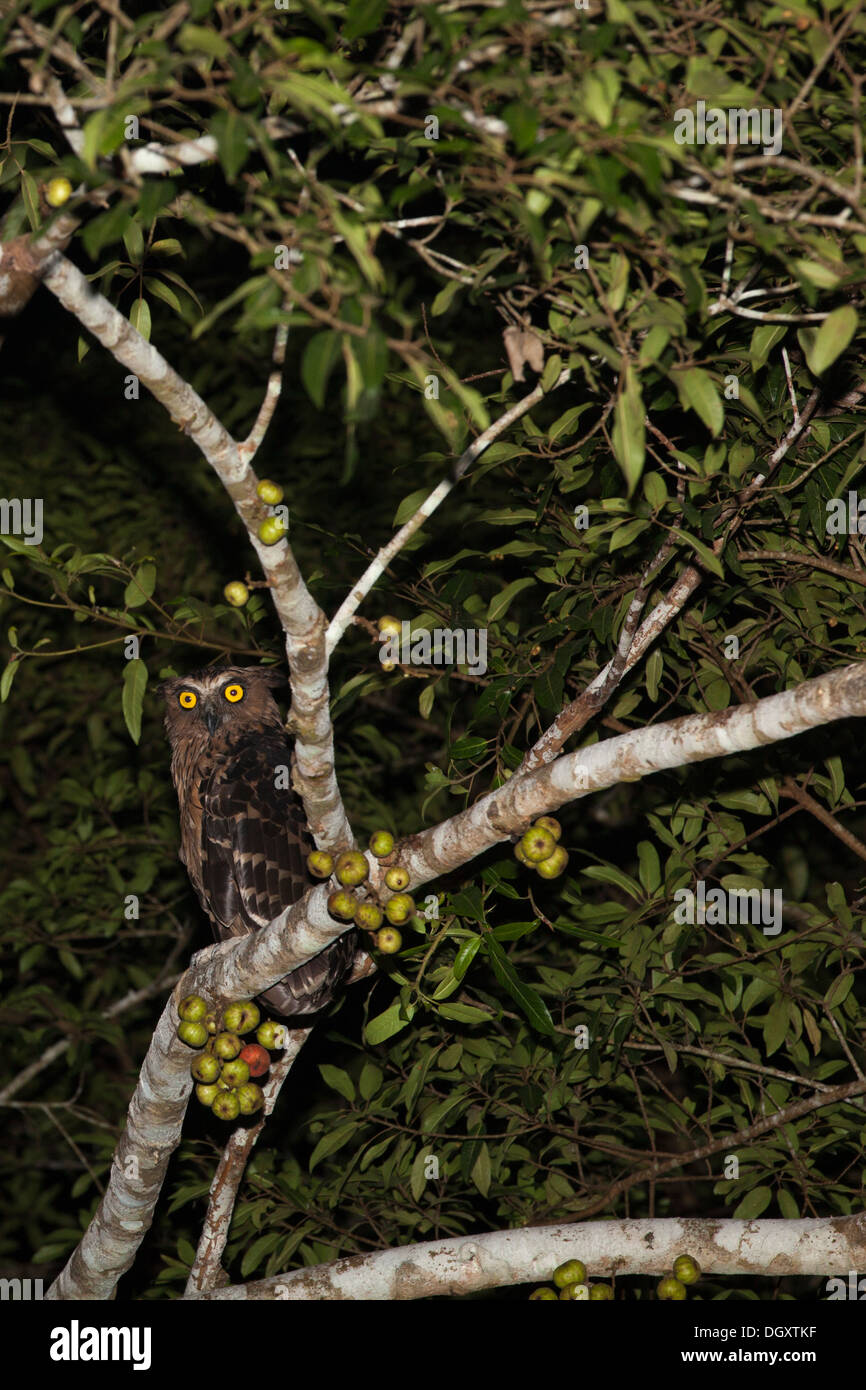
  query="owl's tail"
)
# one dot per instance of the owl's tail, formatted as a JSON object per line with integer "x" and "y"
{"x": 317, "y": 983}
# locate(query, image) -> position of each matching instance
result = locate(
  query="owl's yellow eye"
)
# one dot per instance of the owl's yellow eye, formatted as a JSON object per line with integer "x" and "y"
{"x": 188, "y": 699}
{"x": 234, "y": 693}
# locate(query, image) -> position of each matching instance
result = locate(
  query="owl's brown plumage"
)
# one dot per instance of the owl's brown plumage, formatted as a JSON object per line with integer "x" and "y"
{"x": 243, "y": 834}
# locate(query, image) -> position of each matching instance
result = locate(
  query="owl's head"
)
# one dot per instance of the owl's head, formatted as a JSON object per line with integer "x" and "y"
{"x": 207, "y": 703}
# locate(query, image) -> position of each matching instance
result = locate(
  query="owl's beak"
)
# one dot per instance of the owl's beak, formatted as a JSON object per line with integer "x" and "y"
{"x": 211, "y": 719}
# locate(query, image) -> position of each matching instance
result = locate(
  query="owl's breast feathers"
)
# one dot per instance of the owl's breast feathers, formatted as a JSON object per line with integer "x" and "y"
{"x": 244, "y": 840}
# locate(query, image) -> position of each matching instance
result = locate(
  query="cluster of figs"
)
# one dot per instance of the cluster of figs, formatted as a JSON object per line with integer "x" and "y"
{"x": 571, "y": 1284}
{"x": 352, "y": 870}
{"x": 227, "y": 1067}
{"x": 539, "y": 848}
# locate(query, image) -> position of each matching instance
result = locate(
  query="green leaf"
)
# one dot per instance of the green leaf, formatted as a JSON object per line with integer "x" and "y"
{"x": 469, "y": 747}
{"x": 358, "y": 239}
{"x": 776, "y": 1026}
{"x": 839, "y": 990}
{"x": 334, "y": 1140}
{"x": 697, "y": 392}
{"x": 481, "y": 1170}
{"x": 754, "y": 1203}
{"x": 609, "y": 873}
{"x": 370, "y": 1080}
{"x": 650, "y": 869}
{"x": 133, "y": 240}
{"x": 654, "y": 344}
{"x": 531, "y": 1004}
{"x": 229, "y": 130}
{"x": 418, "y": 1176}
{"x": 817, "y": 274}
{"x": 71, "y": 962}
{"x": 465, "y": 956}
{"x": 550, "y": 375}
{"x": 141, "y": 586}
{"x": 255, "y": 1253}
{"x": 710, "y": 559}
{"x": 599, "y": 94}
{"x": 764, "y": 339}
{"x": 320, "y": 356}
{"x": 386, "y": 1024}
{"x": 163, "y": 292}
{"x": 362, "y": 17}
{"x": 832, "y": 338}
{"x": 195, "y": 38}
{"x": 444, "y": 298}
{"x": 628, "y": 435}
{"x": 338, "y": 1080}
{"x": 500, "y": 603}
{"x": 464, "y": 1013}
{"x": 9, "y": 673}
{"x": 409, "y": 506}
{"x": 168, "y": 246}
{"x": 134, "y": 686}
{"x": 140, "y": 318}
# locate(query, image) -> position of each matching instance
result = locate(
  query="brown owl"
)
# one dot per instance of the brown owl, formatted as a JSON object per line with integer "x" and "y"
{"x": 243, "y": 834}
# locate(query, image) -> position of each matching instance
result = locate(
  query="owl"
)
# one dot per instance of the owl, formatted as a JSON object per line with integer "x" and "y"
{"x": 243, "y": 833}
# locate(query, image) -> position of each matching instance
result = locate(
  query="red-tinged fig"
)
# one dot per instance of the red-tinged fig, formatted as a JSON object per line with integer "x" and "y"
{"x": 256, "y": 1058}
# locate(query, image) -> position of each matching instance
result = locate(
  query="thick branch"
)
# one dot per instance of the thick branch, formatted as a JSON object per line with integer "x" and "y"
{"x": 301, "y": 618}
{"x": 510, "y": 808}
{"x": 466, "y": 1264}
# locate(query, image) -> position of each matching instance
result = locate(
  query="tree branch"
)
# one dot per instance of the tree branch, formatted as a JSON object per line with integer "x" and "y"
{"x": 301, "y": 618}
{"x": 498, "y": 1259}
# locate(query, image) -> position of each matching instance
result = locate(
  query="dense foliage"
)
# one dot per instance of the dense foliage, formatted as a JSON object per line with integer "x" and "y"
{"x": 520, "y": 133}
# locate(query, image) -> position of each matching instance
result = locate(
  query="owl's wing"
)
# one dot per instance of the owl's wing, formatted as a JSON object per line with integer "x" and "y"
{"x": 254, "y": 847}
